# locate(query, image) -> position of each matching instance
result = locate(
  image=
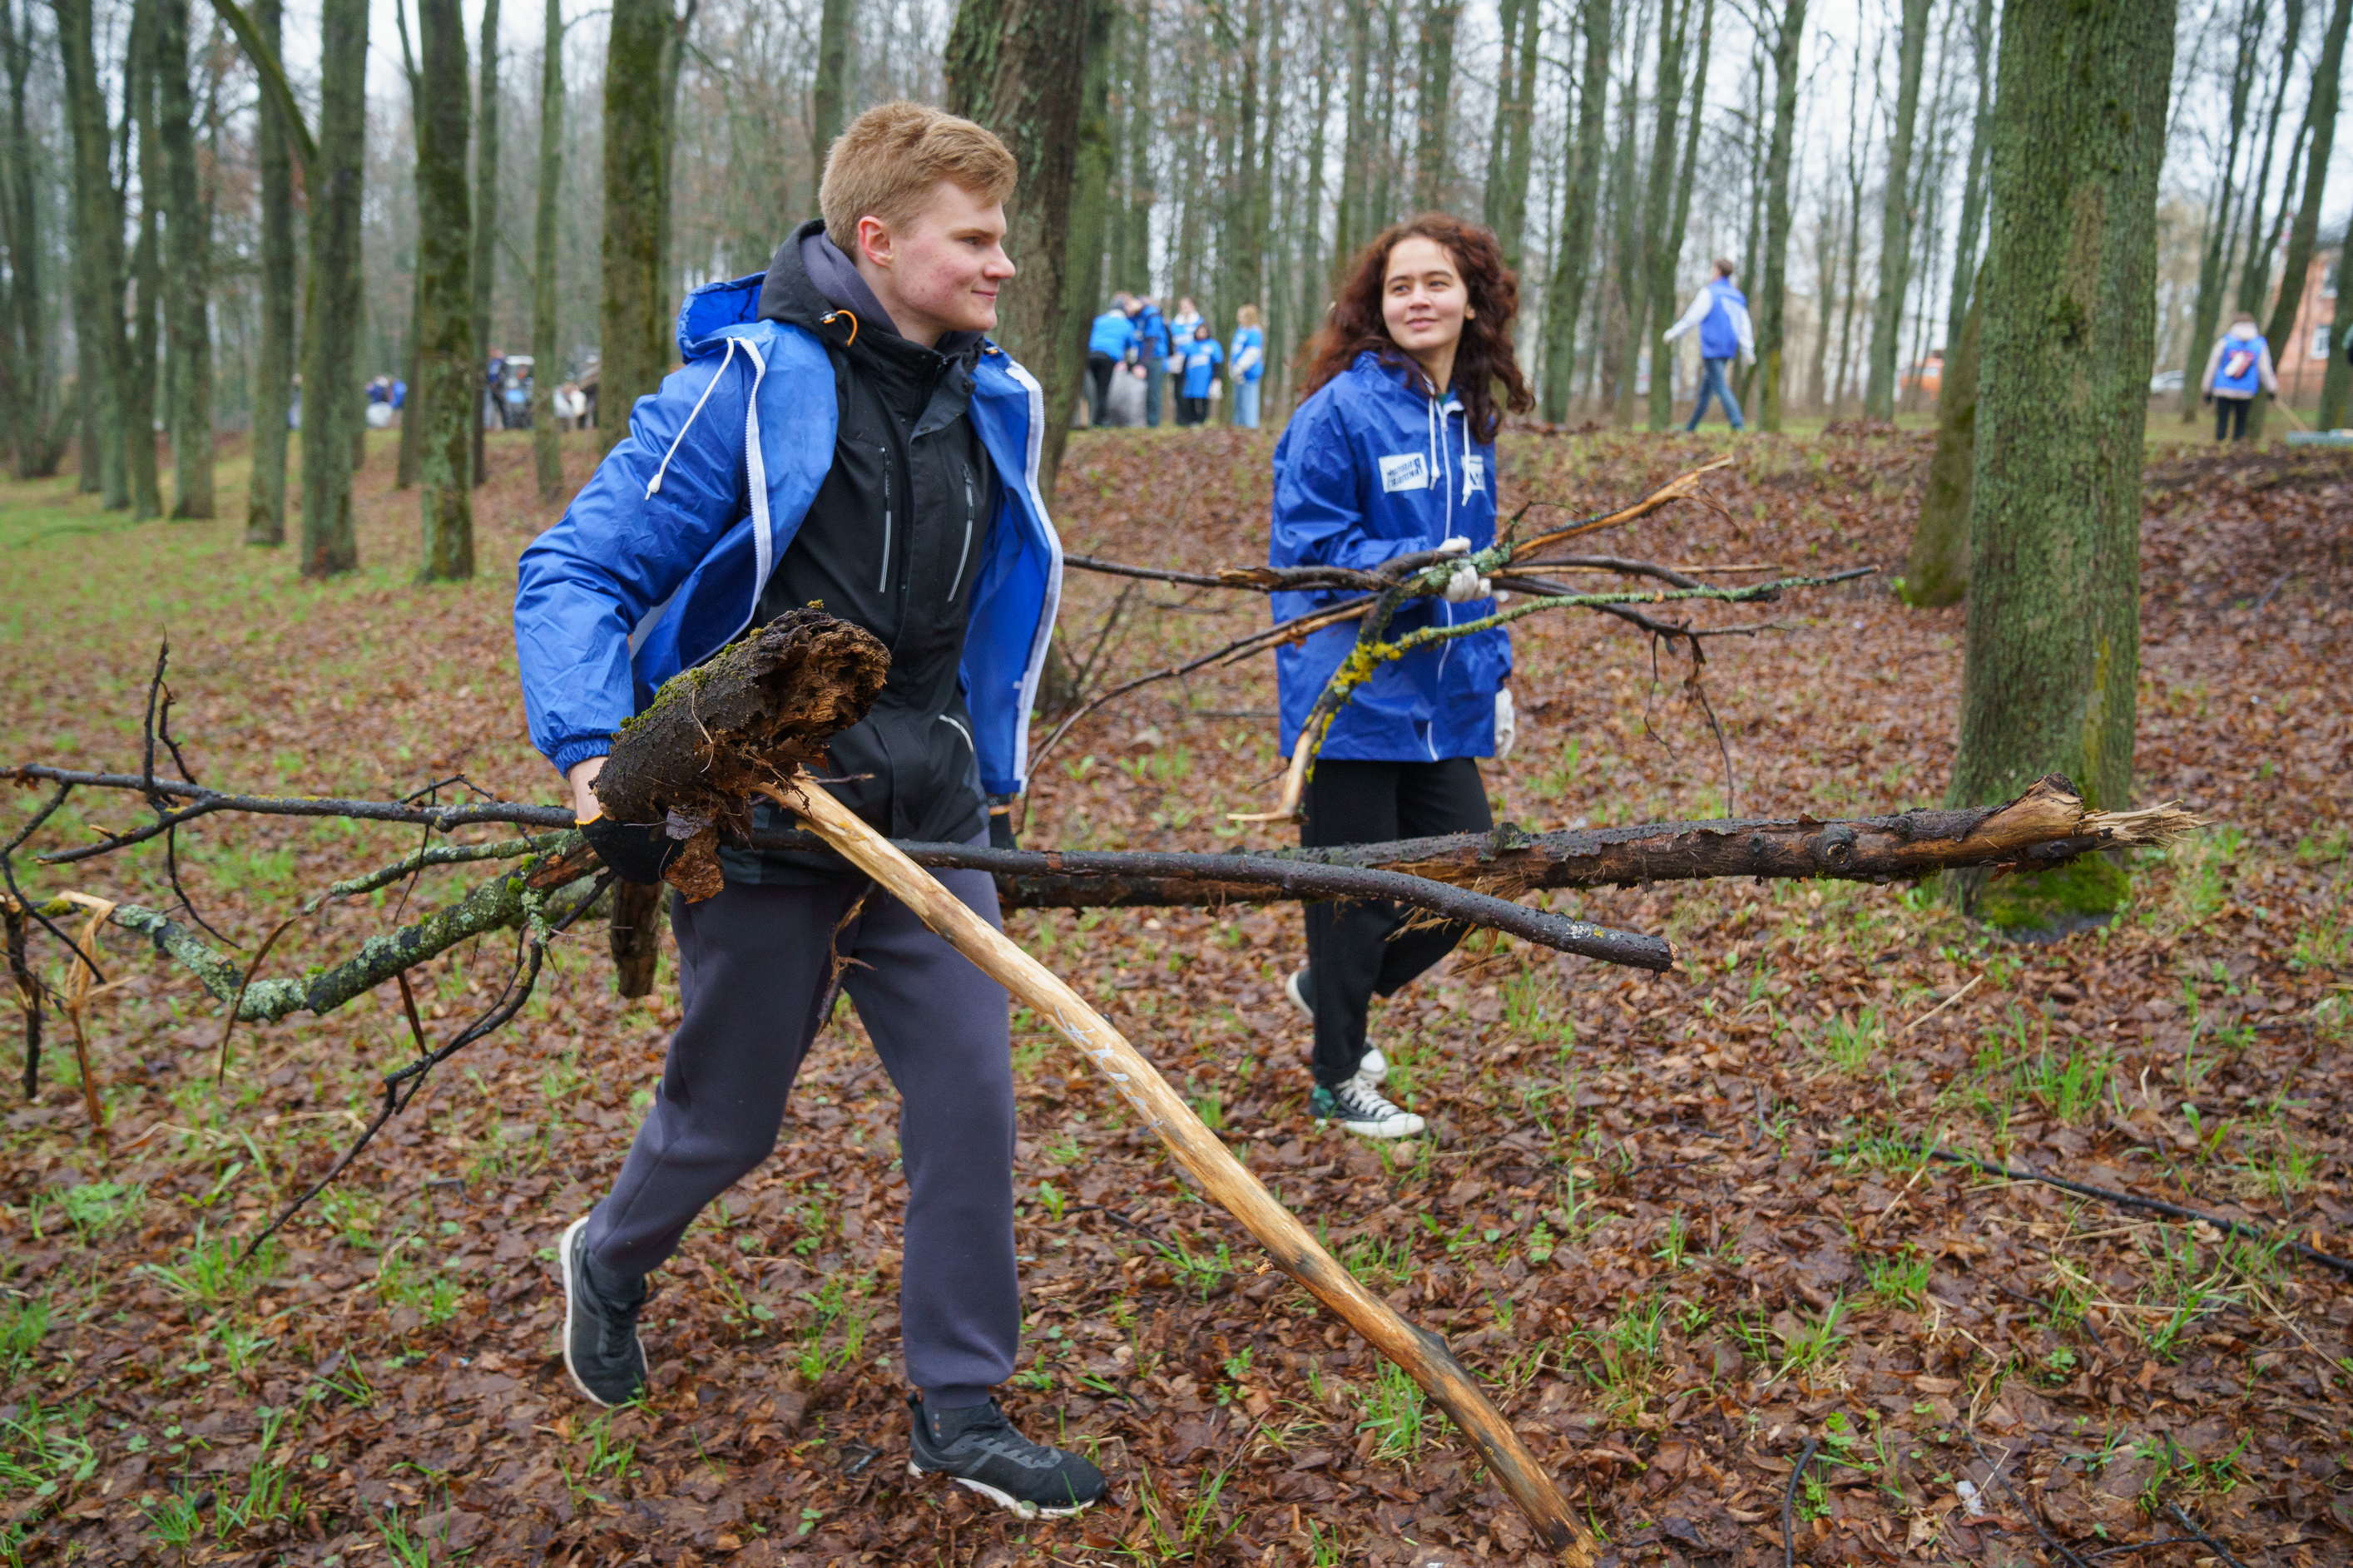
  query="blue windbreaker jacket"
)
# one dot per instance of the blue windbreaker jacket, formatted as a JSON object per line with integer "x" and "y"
{"x": 1369, "y": 468}
{"x": 1202, "y": 357}
{"x": 1112, "y": 333}
{"x": 660, "y": 560}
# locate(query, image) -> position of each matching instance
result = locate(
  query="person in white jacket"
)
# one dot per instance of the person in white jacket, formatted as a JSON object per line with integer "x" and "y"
{"x": 1720, "y": 312}
{"x": 2239, "y": 368}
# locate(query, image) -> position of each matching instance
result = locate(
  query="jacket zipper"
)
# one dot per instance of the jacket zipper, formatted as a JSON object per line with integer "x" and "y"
{"x": 955, "y": 579}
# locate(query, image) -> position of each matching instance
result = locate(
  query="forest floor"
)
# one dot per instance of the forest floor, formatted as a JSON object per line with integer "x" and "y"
{"x": 1681, "y": 1225}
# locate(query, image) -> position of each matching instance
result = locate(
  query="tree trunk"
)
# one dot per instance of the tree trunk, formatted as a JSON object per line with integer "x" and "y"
{"x": 1312, "y": 273}
{"x": 2214, "y": 260}
{"x": 1434, "y": 101}
{"x": 2254, "y": 273}
{"x": 333, "y": 302}
{"x": 1853, "y": 270}
{"x": 1245, "y": 237}
{"x": 547, "y": 449}
{"x": 1825, "y": 272}
{"x": 146, "y": 265}
{"x": 446, "y": 355}
{"x": 1509, "y": 94}
{"x": 1965, "y": 246}
{"x": 187, "y": 219}
{"x": 635, "y": 313}
{"x": 1565, "y": 296}
{"x": 24, "y": 335}
{"x": 1938, "y": 570}
{"x": 1356, "y": 158}
{"x": 103, "y": 354}
{"x": 830, "y": 87}
{"x": 2337, "y": 379}
{"x": 2054, "y": 647}
{"x": 1773, "y": 319}
{"x": 1622, "y": 346}
{"x": 1136, "y": 213}
{"x": 2320, "y": 119}
{"x": 1662, "y": 242}
{"x": 1896, "y": 217}
{"x": 484, "y": 267}
{"x": 1027, "y": 69}
{"x": 273, "y": 370}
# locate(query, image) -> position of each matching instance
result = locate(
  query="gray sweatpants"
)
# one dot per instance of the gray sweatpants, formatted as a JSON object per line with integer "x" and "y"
{"x": 752, "y": 967}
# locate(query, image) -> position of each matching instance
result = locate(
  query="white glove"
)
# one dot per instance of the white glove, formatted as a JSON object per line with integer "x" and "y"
{"x": 1466, "y": 584}
{"x": 1507, "y": 725}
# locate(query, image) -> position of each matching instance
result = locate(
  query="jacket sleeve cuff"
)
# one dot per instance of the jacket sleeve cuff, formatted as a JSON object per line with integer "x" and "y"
{"x": 572, "y": 753}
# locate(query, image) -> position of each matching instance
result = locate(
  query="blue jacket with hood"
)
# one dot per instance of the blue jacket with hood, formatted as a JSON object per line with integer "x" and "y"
{"x": 660, "y": 559}
{"x": 1369, "y": 468}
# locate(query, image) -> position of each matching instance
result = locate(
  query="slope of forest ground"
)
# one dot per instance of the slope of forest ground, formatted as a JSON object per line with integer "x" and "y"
{"x": 1680, "y": 1223}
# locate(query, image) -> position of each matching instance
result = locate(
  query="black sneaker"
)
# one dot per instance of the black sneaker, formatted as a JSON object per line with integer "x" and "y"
{"x": 1372, "y": 1067}
{"x": 1358, "y": 1106}
{"x": 978, "y": 1449}
{"x": 601, "y": 1349}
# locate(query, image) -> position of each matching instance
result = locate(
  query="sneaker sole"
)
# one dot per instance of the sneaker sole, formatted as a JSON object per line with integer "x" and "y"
{"x": 1376, "y": 1130}
{"x": 563, "y": 1272}
{"x": 1006, "y": 1500}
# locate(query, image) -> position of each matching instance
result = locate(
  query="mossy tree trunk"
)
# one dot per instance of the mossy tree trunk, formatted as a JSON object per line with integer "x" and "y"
{"x": 146, "y": 272}
{"x": 546, "y": 450}
{"x": 1026, "y": 68}
{"x": 273, "y": 370}
{"x": 1572, "y": 256}
{"x": 2320, "y": 124}
{"x": 484, "y": 271}
{"x": 1895, "y": 216}
{"x": 829, "y": 89}
{"x": 26, "y": 380}
{"x": 1505, "y": 202}
{"x": 1773, "y": 287}
{"x": 103, "y": 354}
{"x": 2337, "y": 379}
{"x": 1433, "y": 101}
{"x": 1938, "y": 570}
{"x": 1963, "y": 296}
{"x": 332, "y": 298}
{"x": 635, "y": 309}
{"x": 1661, "y": 241}
{"x": 2053, "y": 646}
{"x": 447, "y": 361}
{"x": 187, "y": 263}
{"x": 2261, "y": 238}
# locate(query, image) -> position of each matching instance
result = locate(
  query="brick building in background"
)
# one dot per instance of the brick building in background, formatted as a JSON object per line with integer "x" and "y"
{"x": 2303, "y": 358}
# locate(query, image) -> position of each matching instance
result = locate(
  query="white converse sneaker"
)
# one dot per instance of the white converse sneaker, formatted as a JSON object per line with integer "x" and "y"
{"x": 1372, "y": 1067}
{"x": 1361, "y": 1108}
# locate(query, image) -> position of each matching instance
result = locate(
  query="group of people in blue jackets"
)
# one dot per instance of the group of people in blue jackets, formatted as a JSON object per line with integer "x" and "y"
{"x": 1134, "y": 338}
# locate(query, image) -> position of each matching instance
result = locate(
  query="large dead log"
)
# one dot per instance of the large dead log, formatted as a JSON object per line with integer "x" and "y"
{"x": 2047, "y": 824}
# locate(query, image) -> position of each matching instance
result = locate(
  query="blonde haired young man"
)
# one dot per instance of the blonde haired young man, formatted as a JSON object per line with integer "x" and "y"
{"x": 841, "y": 431}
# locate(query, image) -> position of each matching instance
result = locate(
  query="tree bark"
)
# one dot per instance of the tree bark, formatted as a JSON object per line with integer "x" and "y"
{"x": 1773, "y": 319}
{"x": 484, "y": 267}
{"x": 830, "y": 87}
{"x": 1662, "y": 241}
{"x": 2320, "y": 122}
{"x": 1938, "y": 570}
{"x": 635, "y": 311}
{"x": 1564, "y": 298}
{"x": 27, "y": 379}
{"x": 1027, "y": 69}
{"x": 1972, "y": 221}
{"x": 147, "y": 271}
{"x": 187, "y": 219}
{"x": 1895, "y": 216}
{"x": 1434, "y": 102}
{"x": 104, "y": 353}
{"x": 2053, "y": 645}
{"x": 1853, "y": 270}
{"x": 1353, "y": 227}
{"x": 273, "y": 369}
{"x": 546, "y": 448}
{"x": 331, "y": 314}
{"x": 449, "y": 394}
{"x": 2254, "y": 273}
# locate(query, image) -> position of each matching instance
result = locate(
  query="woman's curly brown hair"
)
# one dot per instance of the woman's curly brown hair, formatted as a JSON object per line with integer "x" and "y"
{"x": 1483, "y": 358}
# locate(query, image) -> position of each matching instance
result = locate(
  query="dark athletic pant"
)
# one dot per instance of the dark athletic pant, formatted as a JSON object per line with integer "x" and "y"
{"x": 1099, "y": 369}
{"x": 2231, "y": 418}
{"x": 1357, "y": 949}
{"x": 752, "y": 967}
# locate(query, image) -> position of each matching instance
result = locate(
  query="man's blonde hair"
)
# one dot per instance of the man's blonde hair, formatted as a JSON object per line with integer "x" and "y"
{"x": 893, "y": 156}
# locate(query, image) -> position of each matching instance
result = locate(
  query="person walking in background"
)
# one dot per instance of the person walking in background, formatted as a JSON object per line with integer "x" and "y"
{"x": 1720, "y": 312}
{"x": 1203, "y": 354}
{"x": 1249, "y": 364}
{"x": 2239, "y": 368}
{"x": 1393, "y": 454}
{"x": 1153, "y": 347}
{"x": 1108, "y": 342}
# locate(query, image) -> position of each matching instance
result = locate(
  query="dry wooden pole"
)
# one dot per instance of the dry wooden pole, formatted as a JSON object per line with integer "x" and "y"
{"x": 1422, "y": 1354}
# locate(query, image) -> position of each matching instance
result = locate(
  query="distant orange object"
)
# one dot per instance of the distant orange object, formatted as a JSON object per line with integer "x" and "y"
{"x": 1926, "y": 377}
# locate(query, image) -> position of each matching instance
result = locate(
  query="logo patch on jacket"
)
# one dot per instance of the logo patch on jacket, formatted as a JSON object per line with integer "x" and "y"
{"x": 1475, "y": 473}
{"x": 1405, "y": 471}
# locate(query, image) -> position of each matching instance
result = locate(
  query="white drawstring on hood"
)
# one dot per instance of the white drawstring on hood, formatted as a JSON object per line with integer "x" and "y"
{"x": 653, "y": 486}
